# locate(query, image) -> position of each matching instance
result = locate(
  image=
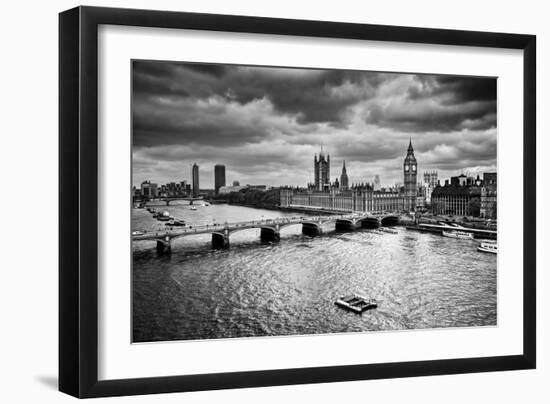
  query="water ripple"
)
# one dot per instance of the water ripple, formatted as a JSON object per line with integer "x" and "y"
{"x": 287, "y": 288}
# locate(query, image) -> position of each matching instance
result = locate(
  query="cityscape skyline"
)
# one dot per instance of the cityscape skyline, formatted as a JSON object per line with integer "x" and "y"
{"x": 207, "y": 173}
{"x": 465, "y": 195}
{"x": 208, "y": 176}
{"x": 429, "y": 178}
{"x": 265, "y": 123}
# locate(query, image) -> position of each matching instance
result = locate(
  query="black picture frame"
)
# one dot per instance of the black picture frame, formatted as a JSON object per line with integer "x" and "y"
{"x": 78, "y": 206}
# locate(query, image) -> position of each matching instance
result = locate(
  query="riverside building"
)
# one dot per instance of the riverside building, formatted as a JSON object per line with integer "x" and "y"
{"x": 467, "y": 196}
{"x": 363, "y": 197}
{"x": 219, "y": 177}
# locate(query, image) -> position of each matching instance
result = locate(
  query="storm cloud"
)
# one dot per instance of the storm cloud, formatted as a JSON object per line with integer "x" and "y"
{"x": 266, "y": 123}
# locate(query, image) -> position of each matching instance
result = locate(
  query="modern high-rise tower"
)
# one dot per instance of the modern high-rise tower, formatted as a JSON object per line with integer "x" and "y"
{"x": 195, "y": 180}
{"x": 344, "y": 180}
{"x": 321, "y": 169}
{"x": 409, "y": 180}
{"x": 219, "y": 177}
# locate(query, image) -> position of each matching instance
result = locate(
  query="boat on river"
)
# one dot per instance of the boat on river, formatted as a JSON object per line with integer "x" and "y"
{"x": 164, "y": 216}
{"x": 488, "y": 247}
{"x": 356, "y": 303}
{"x": 487, "y": 241}
{"x": 173, "y": 222}
{"x": 193, "y": 208}
{"x": 464, "y": 235}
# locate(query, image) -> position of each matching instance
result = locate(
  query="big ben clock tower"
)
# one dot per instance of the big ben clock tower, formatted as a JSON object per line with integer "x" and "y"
{"x": 410, "y": 169}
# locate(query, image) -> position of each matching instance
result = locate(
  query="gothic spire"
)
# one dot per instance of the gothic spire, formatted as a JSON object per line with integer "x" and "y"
{"x": 410, "y": 149}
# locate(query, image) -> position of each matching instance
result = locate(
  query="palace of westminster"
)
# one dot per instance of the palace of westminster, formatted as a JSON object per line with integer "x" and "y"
{"x": 462, "y": 196}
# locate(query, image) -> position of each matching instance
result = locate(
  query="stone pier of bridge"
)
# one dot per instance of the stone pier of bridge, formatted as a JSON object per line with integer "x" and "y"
{"x": 164, "y": 246}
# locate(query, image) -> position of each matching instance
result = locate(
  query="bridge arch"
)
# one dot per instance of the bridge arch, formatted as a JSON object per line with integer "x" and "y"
{"x": 392, "y": 220}
{"x": 344, "y": 224}
{"x": 311, "y": 229}
{"x": 369, "y": 222}
{"x": 191, "y": 235}
{"x": 285, "y": 225}
{"x": 238, "y": 229}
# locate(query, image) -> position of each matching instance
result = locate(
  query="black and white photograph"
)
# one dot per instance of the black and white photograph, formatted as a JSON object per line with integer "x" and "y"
{"x": 285, "y": 202}
{"x": 273, "y": 201}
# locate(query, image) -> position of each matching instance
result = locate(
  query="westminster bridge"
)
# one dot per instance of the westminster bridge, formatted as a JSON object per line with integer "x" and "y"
{"x": 269, "y": 228}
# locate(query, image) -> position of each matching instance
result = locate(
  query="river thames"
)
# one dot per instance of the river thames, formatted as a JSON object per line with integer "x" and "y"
{"x": 252, "y": 289}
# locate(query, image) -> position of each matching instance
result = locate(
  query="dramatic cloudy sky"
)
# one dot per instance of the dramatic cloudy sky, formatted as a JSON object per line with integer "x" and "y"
{"x": 265, "y": 124}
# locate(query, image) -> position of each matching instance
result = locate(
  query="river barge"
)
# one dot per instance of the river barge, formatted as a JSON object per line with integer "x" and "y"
{"x": 463, "y": 235}
{"x": 438, "y": 229}
{"x": 356, "y": 303}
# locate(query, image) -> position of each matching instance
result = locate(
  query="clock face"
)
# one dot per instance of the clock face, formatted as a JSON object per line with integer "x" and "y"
{"x": 406, "y": 167}
{"x": 413, "y": 167}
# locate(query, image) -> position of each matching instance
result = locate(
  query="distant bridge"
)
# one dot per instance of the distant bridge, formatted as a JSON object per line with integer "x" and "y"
{"x": 167, "y": 200}
{"x": 269, "y": 228}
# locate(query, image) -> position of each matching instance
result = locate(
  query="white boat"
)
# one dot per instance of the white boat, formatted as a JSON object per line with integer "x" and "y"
{"x": 193, "y": 208}
{"x": 164, "y": 217}
{"x": 458, "y": 234}
{"x": 488, "y": 241}
{"x": 453, "y": 226}
{"x": 488, "y": 247}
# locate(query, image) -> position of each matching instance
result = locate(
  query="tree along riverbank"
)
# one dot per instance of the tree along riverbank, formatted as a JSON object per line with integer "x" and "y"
{"x": 253, "y": 198}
